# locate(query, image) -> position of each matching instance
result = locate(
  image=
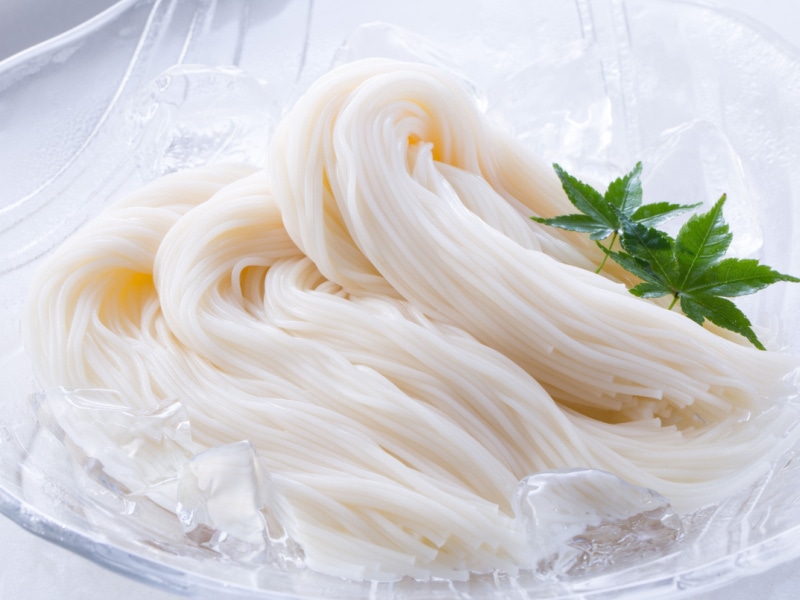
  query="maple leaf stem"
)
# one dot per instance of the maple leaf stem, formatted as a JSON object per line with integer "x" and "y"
{"x": 605, "y": 257}
{"x": 674, "y": 301}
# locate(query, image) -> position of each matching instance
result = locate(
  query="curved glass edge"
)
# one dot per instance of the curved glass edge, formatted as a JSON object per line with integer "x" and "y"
{"x": 139, "y": 569}
{"x": 75, "y": 33}
{"x": 719, "y": 572}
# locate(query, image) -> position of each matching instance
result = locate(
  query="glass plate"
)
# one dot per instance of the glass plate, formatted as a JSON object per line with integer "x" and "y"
{"x": 709, "y": 101}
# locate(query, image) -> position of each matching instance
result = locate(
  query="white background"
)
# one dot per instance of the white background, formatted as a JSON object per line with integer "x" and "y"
{"x": 32, "y": 569}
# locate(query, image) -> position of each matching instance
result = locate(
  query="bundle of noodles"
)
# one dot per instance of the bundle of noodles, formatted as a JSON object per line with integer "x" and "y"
{"x": 378, "y": 171}
{"x": 399, "y": 342}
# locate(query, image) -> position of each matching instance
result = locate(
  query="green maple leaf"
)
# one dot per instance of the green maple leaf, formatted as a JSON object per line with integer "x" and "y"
{"x": 692, "y": 269}
{"x": 603, "y": 215}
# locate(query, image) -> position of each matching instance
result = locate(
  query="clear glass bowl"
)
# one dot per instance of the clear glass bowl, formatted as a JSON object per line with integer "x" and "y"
{"x": 710, "y": 102}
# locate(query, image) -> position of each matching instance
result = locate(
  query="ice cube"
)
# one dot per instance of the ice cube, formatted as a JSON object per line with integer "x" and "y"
{"x": 127, "y": 450}
{"x": 192, "y": 115}
{"x": 581, "y": 521}
{"x": 695, "y": 161}
{"x": 227, "y": 501}
{"x": 383, "y": 40}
